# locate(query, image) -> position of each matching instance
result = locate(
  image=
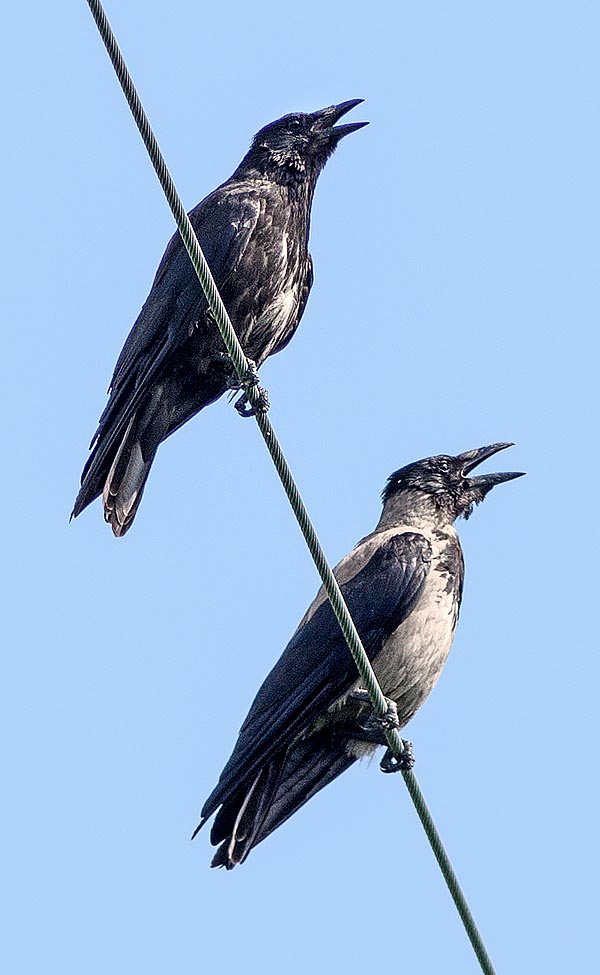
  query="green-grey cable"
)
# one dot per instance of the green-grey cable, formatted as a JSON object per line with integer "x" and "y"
{"x": 240, "y": 363}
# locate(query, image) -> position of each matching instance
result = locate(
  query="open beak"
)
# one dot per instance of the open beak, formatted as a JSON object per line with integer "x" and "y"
{"x": 472, "y": 458}
{"x": 325, "y": 119}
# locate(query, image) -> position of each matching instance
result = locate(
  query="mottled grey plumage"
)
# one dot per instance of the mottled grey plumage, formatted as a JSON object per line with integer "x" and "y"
{"x": 308, "y": 723}
{"x": 254, "y": 232}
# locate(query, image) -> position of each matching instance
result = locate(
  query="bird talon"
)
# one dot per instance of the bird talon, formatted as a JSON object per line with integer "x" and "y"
{"x": 248, "y": 378}
{"x": 390, "y": 719}
{"x": 245, "y": 407}
{"x": 249, "y": 381}
{"x": 385, "y": 722}
{"x": 398, "y": 763}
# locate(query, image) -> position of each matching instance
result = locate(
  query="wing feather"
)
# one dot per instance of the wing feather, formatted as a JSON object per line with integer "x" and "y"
{"x": 316, "y": 667}
{"x": 224, "y": 223}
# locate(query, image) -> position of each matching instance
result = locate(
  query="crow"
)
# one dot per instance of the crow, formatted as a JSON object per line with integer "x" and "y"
{"x": 254, "y": 232}
{"x": 311, "y": 719}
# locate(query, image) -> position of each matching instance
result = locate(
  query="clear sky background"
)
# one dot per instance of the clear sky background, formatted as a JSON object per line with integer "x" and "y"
{"x": 456, "y": 253}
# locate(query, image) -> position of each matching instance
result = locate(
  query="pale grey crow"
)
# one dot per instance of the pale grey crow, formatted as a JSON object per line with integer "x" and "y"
{"x": 254, "y": 233}
{"x": 310, "y": 720}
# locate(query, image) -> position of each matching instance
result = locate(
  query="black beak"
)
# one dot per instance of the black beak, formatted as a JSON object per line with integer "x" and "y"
{"x": 472, "y": 458}
{"x": 325, "y": 119}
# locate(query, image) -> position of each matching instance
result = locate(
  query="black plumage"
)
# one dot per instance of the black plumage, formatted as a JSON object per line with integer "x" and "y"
{"x": 309, "y": 720}
{"x": 254, "y": 232}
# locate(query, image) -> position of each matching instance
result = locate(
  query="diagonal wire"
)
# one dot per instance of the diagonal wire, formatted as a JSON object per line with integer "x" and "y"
{"x": 241, "y": 365}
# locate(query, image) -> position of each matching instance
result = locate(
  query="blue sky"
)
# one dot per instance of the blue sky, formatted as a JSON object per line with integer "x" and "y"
{"x": 455, "y": 303}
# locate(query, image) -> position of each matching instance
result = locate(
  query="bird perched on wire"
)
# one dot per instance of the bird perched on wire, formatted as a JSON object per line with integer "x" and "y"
{"x": 311, "y": 719}
{"x": 254, "y": 233}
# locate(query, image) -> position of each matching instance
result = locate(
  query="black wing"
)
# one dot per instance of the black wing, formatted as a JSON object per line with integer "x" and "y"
{"x": 224, "y": 223}
{"x": 316, "y": 667}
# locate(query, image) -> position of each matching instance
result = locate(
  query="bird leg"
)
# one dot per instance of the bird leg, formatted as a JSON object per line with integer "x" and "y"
{"x": 373, "y": 730}
{"x": 249, "y": 380}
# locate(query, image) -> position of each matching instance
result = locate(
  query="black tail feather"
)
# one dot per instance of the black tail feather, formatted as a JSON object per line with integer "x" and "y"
{"x": 281, "y": 787}
{"x": 121, "y": 475}
{"x": 125, "y": 446}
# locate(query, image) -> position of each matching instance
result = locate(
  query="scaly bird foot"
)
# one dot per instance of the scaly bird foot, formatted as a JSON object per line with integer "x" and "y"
{"x": 248, "y": 381}
{"x": 398, "y": 763}
{"x": 374, "y": 730}
{"x": 378, "y": 723}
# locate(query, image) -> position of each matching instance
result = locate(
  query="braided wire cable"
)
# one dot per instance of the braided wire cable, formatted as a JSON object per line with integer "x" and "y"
{"x": 252, "y": 390}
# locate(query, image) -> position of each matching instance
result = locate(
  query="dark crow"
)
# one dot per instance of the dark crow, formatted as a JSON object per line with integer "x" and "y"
{"x": 254, "y": 233}
{"x": 310, "y": 719}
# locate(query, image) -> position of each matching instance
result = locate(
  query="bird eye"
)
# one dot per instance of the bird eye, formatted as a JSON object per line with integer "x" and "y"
{"x": 444, "y": 465}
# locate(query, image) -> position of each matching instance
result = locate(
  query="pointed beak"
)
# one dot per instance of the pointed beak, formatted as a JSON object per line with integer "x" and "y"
{"x": 472, "y": 458}
{"x": 325, "y": 119}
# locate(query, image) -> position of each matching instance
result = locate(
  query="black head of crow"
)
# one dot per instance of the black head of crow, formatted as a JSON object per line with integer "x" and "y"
{"x": 254, "y": 232}
{"x": 440, "y": 488}
{"x": 295, "y": 148}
